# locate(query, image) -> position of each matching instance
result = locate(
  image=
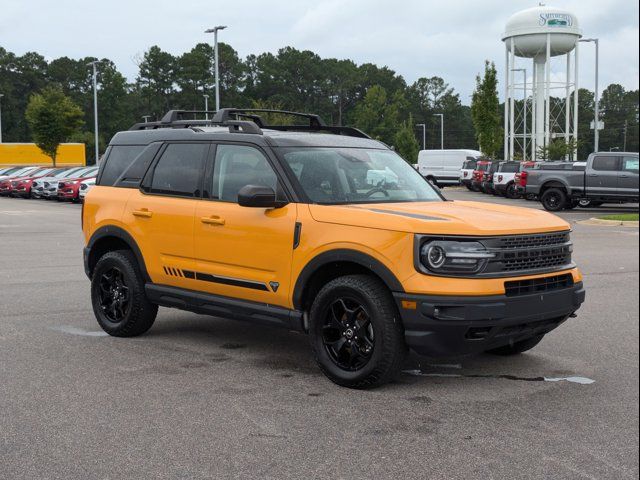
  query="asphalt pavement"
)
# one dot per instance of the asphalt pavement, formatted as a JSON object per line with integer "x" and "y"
{"x": 201, "y": 397}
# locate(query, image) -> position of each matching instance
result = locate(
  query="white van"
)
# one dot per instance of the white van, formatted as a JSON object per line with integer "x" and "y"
{"x": 442, "y": 167}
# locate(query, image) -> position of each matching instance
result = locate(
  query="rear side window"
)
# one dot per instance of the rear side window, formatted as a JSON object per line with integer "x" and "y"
{"x": 606, "y": 164}
{"x": 118, "y": 160}
{"x": 510, "y": 168}
{"x": 180, "y": 170}
{"x": 470, "y": 165}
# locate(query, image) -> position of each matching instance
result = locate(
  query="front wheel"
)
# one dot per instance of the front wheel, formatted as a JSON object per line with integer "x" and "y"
{"x": 355, "y": 331}
{"x": 517, "y": 347}
{"x": 512, "y": 191}
{"x": 554, "y": 200}
{"x": 118, "y": 297}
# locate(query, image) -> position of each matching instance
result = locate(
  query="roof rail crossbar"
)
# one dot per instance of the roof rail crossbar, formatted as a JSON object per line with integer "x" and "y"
{"x": 346, "y": 131}
{"x": 175, "y": 115}
{"x": 227, "y": 114}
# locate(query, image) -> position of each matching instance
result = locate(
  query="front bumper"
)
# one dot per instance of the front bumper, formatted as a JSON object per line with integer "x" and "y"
{"x": 442, "y": 326}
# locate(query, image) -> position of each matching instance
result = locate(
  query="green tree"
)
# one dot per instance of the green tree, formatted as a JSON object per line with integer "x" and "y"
{"x": 558, "y": 149}
{"x": 156, "y": 80}
{"x": 377, "y": 115}
{"x": 53, "y": 119}
{"x": 485, "y": 111}
{"x": 405, "y": 141}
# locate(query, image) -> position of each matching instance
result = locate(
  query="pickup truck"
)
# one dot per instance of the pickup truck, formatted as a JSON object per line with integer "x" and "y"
{"x": 605, "y": 178}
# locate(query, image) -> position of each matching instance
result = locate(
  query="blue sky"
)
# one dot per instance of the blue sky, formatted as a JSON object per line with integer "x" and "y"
{"x": 415, "y": 38}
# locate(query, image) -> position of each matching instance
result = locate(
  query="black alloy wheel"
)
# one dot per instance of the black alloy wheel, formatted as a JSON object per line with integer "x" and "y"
{"x": 348, "y": 334}
{"x": 114, "y": 295}
{"x": 554, "y": 200}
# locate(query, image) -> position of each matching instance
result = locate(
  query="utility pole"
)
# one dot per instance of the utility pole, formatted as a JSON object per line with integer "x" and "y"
{"x": 624, "y": 148}
{"x": 206, "y": 106}
{"x": 596, "y": 112}
{"x": 215, "y": 31}
{"x": 424, "y": 134}
{"x": 441, "y": 115}
{"x": 95, "y": 107}
{"x": 146, "y": 118}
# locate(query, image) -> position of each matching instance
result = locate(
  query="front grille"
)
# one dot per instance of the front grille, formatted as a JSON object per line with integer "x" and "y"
{"x": 522, "y": 254}
{"x": 538, "y": 285}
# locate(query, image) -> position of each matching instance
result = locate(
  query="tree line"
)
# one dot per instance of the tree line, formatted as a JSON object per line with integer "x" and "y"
{"x": 373, "y": 98}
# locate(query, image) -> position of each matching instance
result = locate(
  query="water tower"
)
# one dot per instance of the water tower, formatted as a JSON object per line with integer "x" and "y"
{"x": 542, "y": 34}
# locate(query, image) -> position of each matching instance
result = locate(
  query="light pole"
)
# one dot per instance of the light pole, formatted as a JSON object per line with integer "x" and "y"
{"x": 596, "y": 112}
{"x": 95, "y": 106}
{"x": 524, "y": 115}
{"x": 441, "y": 115}
{"x": 146, "y": 118}
{"x": 1, "y": 95}
{"x": 215, "y": 30}
{"x": 206, "y": 106}
{"x": 424, "y": 134}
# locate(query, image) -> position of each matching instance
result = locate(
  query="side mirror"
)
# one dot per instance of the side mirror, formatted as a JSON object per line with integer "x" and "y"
{"x": 257, "y": 196}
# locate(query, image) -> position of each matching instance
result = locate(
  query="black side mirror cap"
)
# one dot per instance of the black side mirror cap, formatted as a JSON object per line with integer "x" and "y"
{"x": 257, "y": 196}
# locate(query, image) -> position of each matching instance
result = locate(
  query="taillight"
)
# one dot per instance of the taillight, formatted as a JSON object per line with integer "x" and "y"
{"x": 523, "y": 179}
{"x": 465, "y": 174}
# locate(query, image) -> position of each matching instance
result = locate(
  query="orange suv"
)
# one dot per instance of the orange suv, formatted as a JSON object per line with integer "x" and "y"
{"x": 318, "y": 229}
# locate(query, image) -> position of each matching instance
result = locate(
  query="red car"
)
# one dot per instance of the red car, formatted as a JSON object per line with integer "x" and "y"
{"x": 21, "y": 187}
{"x": 477, "y": 178}
{"x": 69, "y": 188}
{"x": 8, "y": 184}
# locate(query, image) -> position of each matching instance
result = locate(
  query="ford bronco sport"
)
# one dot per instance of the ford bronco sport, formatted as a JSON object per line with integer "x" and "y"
{"x": 318, "y": 229}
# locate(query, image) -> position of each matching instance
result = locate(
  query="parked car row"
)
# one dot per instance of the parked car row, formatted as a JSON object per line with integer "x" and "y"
{"x": 603, "y": 178}
{"x": 50, "y": 183}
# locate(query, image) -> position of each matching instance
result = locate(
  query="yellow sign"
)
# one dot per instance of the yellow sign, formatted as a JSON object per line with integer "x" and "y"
{"x": 14, "y": 154}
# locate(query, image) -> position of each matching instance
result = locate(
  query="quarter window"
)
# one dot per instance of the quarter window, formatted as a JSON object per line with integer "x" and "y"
{"x": 118, "y": 160}
{"x": 179, "y": 170}
{"x": 237, "y": 166}
{"x": 606, "y": 164}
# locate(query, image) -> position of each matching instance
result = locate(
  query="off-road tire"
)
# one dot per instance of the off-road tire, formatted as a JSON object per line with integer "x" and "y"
{"x": 554, "y": 200}
{"x": 389, "y": 348}
{"x": 518, "y": 347}
{"x": 512, "y": 191}
{"x": 141, "y": 313}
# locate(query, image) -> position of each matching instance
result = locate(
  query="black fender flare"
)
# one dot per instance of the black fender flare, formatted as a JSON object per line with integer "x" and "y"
{"x": 343, "y": 255}
{"x": 121, "y": 234}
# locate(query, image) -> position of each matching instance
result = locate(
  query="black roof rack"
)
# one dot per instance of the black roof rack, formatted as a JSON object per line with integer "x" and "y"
{"x": 245, "y": 120}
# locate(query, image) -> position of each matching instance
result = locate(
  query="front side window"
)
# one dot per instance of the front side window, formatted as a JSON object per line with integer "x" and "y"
{"x": 606, "y": 164}
{"x": 356, "y": 175}
{"x": 179, "y": 170}
{"x": 630, "y": 164}
{"x": 237, "y": 166}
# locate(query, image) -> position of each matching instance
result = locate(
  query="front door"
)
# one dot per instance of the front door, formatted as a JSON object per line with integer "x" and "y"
{"x": 602, "y": 177}
{"x": 243, "y": 252}
{"x": 161, "y": 214}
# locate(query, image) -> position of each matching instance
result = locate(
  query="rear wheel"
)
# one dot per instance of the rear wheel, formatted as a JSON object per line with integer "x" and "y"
{"x": 512, "y": 191}
{"x": 355, "y": 332}
{"x": 517, "y": 347}
{"x": 118, "y": 297}
{"x": 554, "y": 200}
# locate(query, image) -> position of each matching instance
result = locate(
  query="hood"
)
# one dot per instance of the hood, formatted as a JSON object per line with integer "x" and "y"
{"x": 442, "y": 218}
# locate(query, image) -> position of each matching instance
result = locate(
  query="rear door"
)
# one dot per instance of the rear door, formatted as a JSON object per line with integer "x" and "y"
{"x": 160, "y": 215}
{"x": 243, "y": 252}
{"x": 628, "y": 178}
{"x": 602, "y": 176}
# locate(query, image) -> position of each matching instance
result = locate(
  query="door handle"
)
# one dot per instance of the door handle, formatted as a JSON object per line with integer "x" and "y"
{"x": 593, "y": 174}
{"x": 624, "y": 176}
{"x": 212, "y": 220}
{"x": 142, "y": 213}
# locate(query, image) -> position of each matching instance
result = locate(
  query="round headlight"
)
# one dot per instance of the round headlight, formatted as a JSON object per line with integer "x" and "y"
{"x": 436, "y": 256}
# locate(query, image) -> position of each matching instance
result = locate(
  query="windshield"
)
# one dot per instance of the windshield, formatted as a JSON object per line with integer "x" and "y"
{"x": 356, "y": 175}
{"x": 483, "y": 167}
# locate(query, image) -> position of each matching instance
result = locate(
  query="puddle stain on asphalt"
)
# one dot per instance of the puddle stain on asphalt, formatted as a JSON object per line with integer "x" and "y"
{"x": 78, "y": 331}
{"x": 573, "y": 379}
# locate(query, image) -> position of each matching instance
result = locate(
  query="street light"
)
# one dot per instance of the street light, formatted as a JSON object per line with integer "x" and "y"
{"x": 146, "y": 118}
{"x": 441, "y": 115}
{"x": 95, "y": 106}
{"x": 215, "y": 30}
{"x": 1, "y": 95}
{"x": 524, "y": 136}
{"x": 424, "y": 134}
{"x": 206, "y": 106}
{"x": 596, "y": 113}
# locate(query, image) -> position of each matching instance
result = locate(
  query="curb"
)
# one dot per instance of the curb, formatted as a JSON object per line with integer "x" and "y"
{"x": 609, "y": 223}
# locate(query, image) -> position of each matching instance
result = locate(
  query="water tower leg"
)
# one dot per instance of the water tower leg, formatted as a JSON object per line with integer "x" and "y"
{"x": 567, "y": 103}
{"x": 533, "y": 112}
{"x": 540, "y": 103}
{"x": 547, "y": 119}
{"x": 512, "y": 120}
{"x": 506, "y": 102}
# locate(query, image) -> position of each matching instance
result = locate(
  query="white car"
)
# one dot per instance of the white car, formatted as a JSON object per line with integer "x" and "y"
{"x": 85, "y": 186}
{"x": 51, "y": 188}
{"x": 19, "y": 172}
{"x": 504, "y": 179}
{"x": 442, "y": 167}
{"x": 466, "y": 172}
{"x": 39, "y": 185}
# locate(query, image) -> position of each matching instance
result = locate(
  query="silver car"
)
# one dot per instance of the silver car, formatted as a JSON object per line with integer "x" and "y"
{"x": 38, "y": 186}
{"x": 50, "y": 190}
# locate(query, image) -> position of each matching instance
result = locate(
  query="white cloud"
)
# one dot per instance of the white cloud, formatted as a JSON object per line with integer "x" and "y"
{"x": 413, "y": 37}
